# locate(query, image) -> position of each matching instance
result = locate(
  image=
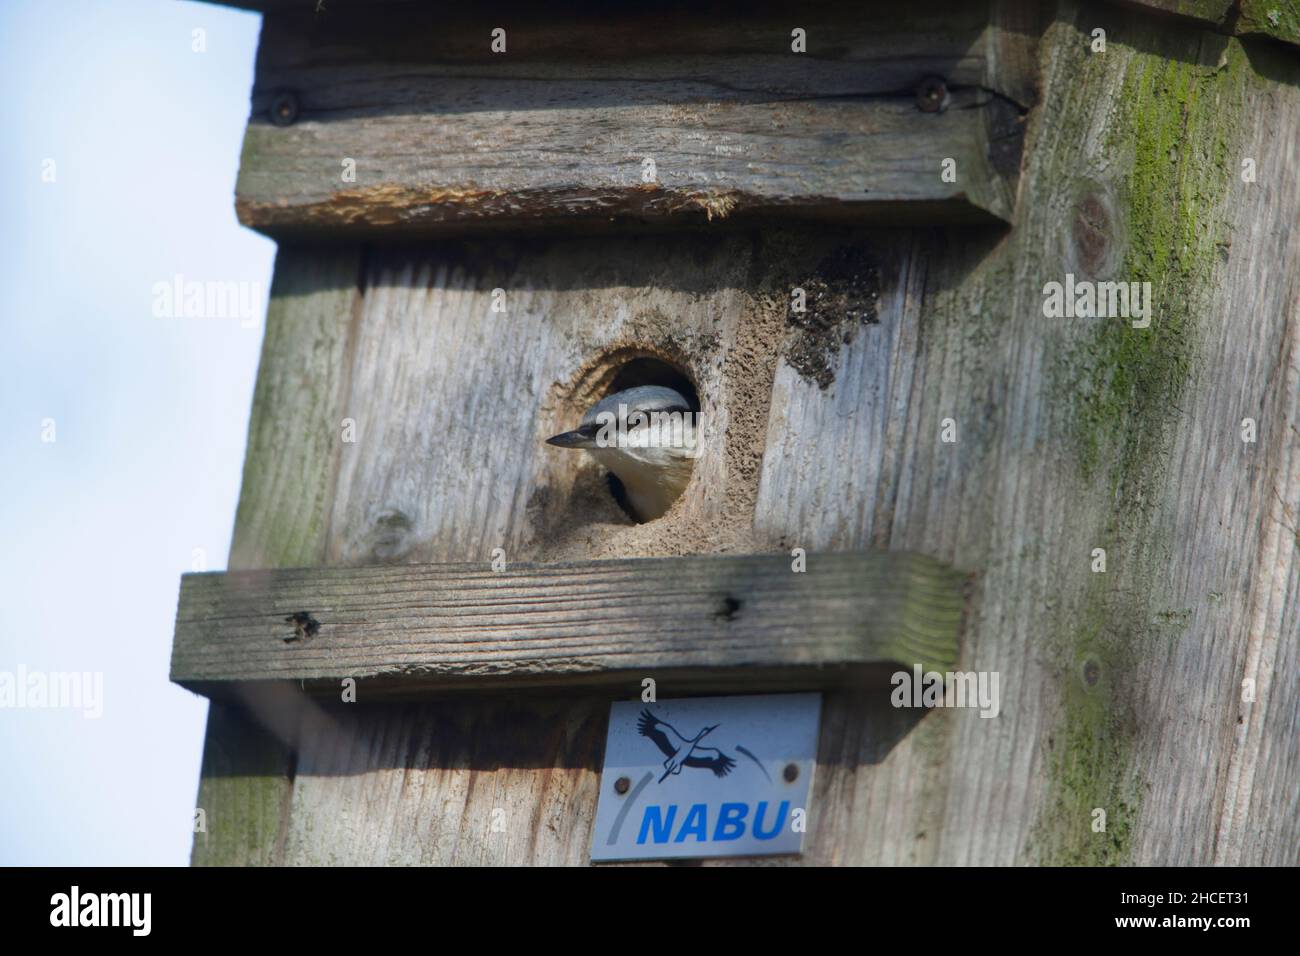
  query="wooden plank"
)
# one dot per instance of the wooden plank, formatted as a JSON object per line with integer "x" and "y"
{"x": 299, "y": 407}
{"x": 248, "y": 757}
{"x": 1276, "y": 19}
{"x": 1072, "y": 435}
{"x": 1214, "y": 12}
{"x": 718, "y": 621}
{"x": 446, "y": 135}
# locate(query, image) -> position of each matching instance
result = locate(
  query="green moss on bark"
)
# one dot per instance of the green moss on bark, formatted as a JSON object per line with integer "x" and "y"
{"x": 1177, "y": 119}
{"x": 1091, "y": 751}
{"x": 1173, "y": 130}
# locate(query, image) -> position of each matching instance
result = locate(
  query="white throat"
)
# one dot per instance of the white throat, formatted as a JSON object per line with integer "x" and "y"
{"x": 652, "y": 477}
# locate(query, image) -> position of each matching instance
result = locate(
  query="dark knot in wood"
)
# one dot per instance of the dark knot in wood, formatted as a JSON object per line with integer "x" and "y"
{"x": 1092, "y": 233}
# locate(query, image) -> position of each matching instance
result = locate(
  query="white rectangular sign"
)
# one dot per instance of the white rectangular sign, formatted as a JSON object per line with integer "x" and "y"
{"x": 708, "y": 776}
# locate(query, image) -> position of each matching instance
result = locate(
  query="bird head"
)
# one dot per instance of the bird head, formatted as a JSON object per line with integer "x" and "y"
{"x": 648, "y": 437}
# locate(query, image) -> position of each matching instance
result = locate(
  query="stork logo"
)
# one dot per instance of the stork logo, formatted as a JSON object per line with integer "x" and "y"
{"x": 683, "y": 751}
{"x": 706, "y": 776}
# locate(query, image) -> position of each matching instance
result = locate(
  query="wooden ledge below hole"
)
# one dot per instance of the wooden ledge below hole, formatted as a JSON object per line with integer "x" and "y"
{"x": 707, "y": 623}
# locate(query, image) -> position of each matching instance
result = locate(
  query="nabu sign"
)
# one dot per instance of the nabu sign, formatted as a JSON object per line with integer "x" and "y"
{"x": 719, "y": 776}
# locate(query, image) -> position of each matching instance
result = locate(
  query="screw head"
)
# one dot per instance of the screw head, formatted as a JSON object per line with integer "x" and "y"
{"x": 621, "y": 785}
{"x": 284, "y": 109}
{"x": 791, "y": 772}
{"x": 1091, "y": 672}
{"x": 932, "y": 95}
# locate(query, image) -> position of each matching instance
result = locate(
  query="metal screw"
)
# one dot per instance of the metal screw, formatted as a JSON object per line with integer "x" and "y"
{"x": 284, "y": 109}
{"x": 621, "y": 785}
{"x": 932, "y": 94}
{"x": 791, "y": 772}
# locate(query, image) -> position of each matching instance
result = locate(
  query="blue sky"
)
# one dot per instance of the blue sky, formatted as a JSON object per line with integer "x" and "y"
{"x": 149, "y": 414}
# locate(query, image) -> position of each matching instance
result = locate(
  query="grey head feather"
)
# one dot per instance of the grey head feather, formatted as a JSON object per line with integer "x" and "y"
{"x": 642, "y": 398}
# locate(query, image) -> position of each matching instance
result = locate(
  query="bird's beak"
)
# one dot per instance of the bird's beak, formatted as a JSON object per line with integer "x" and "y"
{"x": 578, "y": 438}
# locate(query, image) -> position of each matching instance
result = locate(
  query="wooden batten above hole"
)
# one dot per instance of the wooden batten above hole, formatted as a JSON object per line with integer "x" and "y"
{"x": 708, "y": 623}
{"x": 449, "y": 137}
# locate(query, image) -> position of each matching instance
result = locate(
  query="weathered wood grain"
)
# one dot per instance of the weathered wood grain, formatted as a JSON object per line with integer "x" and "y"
{"x": 453, "y": 401}
{"x": 1278, "y": 20}
{"x": 1213, "y": 12}
{"x": 288, "y": 478}
{"x": 298, "y": 409}
{"x": 1123, "y": 688}
{"x": 715, "y": 620}
{"x": 445, "y": 134}
{"x": 1275, "y": 19}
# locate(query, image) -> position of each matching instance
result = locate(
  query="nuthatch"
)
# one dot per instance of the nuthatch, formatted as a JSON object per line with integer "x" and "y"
{"x": 647, "y": 437}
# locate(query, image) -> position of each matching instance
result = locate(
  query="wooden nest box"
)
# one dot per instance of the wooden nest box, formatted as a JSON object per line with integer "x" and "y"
{"x": 835, "y": 228}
